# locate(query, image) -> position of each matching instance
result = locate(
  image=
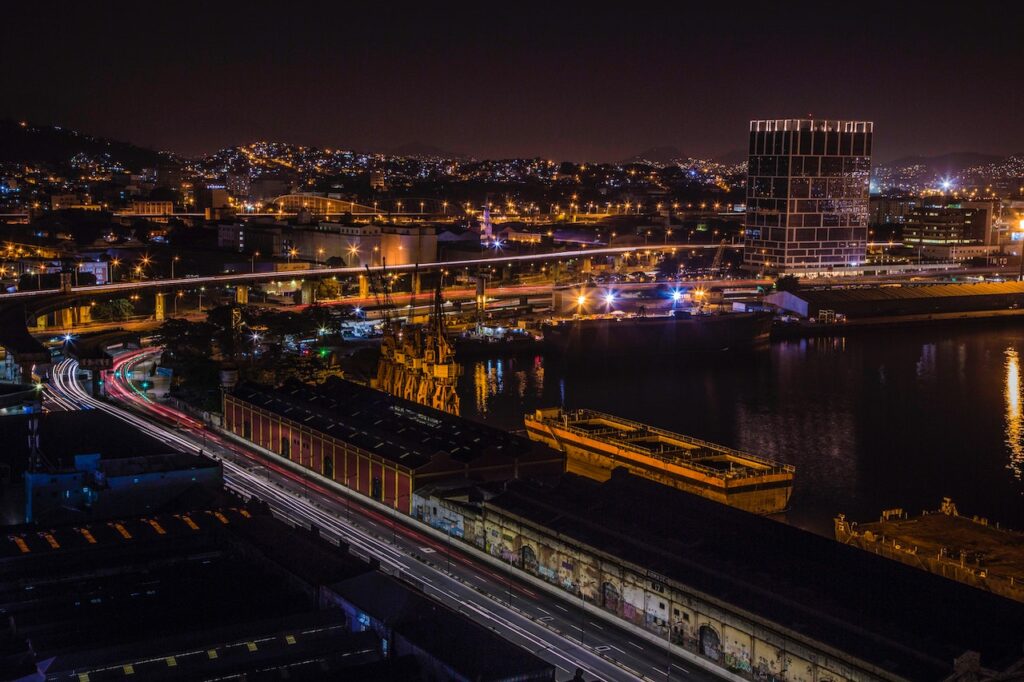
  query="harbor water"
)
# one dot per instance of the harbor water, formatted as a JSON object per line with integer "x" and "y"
{"x": 899, "y": 418}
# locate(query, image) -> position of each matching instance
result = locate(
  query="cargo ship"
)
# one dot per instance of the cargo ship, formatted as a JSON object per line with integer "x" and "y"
{"x": 595, "y": 443}
{"x": 968, "y": 549}
{"x": 677, "y": 332}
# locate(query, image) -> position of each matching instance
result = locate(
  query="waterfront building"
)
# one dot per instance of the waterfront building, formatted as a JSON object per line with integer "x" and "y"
{"x": 807, "y": 196}
{"x": 378, "y": 445}
{"x": 951, "y": 231}
{"x": 761, "y": 599}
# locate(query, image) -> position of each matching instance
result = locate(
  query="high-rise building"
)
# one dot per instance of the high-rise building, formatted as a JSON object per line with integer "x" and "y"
{"x": 807, "y": 195}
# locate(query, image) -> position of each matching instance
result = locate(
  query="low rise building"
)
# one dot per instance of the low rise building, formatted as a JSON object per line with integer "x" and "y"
{"x": 379, "y": 445}
{"x": 759, "y": 598}
{"x": 908, "y": 299}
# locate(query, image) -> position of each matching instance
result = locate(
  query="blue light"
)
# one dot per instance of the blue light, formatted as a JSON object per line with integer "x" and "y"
{"x": 677, "y": 295}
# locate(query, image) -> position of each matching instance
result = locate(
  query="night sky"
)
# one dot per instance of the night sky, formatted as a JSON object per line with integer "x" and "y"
{"x": 524, "y": 80}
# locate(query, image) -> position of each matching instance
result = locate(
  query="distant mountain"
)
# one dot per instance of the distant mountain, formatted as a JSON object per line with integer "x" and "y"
{"x": 660, "y": 156}
{"x": 945, "y": 163}
{"x": 55, "y": 145}
{"x": 421, "y": 150}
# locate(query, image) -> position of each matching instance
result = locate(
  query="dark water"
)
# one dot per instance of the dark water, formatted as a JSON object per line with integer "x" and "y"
{"x": 899, "y": 418}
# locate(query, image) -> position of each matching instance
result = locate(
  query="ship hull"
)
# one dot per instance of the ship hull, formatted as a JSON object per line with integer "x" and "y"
{"x": 765, "y": 493}
{"x": 657, "y": 335}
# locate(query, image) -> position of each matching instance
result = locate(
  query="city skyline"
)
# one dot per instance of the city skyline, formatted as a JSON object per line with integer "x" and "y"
{"x": 555, "y": 85}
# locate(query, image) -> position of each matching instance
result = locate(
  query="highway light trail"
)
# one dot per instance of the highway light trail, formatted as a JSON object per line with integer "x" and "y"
{"x": 512, "y": 609}
{"x": 350, "y": 270}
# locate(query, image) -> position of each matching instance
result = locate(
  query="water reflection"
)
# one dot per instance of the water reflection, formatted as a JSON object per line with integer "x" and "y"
{"x": 1014, "y": 423}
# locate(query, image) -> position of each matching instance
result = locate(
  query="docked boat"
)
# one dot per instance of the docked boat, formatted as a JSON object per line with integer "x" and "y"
{"x": 595, "y": 443}
{"x": 676, "y": 332}
{"x": 491, "y": 341}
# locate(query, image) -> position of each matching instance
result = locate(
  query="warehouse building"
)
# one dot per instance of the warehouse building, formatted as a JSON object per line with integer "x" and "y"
{"x": 226, "y": 592}
{"x": 759, "y": 598}
{"x": 909, "y": 299}
{"x": 379, "y": 445}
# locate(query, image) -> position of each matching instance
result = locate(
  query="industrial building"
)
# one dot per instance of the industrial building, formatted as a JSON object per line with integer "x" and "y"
{"x": 379, "y": 445}
{"x": 88, "y": 465}
{"x": 224, "y": 592}
{"x": 759, "y": 598}
{"x": 908, "y": 299}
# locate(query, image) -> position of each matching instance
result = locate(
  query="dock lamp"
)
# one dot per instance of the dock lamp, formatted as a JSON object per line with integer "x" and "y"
{"x": 1019, "y": 237}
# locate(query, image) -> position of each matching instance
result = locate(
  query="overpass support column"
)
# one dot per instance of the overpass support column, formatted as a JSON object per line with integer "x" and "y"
{"x": 160, "y": 307}
{"x": 308, "y": 292}
{"x": 481, "y": 296}
{"x": 588, "y": 265}
{"x": 67, "y": 317}
{"x": 364, "y": 287}
{"x": 84, "y": 314}
{"x": 242, "y": 294}
{"x": 417, "y": 283}
{"x": 41, "y": 322}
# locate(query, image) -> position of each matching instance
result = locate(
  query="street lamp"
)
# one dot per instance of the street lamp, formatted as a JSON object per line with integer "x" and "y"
{"x": 173, "y": 261}
{"x": 252, "y": 261}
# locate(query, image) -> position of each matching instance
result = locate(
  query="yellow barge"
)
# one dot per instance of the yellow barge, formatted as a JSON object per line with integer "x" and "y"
{"x": 595, "y": 443}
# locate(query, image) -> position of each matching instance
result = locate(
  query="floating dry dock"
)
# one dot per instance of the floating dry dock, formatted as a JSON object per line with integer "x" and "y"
{"x": 595, "y": 443}
{"x": 964, "y": 548}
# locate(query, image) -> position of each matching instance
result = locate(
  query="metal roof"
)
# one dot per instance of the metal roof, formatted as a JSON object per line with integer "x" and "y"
{"x": 910, "y": 291}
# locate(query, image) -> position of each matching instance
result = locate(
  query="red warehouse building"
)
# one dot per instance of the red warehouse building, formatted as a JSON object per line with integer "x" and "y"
{"x": 381, "y": 446}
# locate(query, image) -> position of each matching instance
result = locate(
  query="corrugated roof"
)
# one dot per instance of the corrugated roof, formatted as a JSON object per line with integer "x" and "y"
{"x": 910, "y": 291}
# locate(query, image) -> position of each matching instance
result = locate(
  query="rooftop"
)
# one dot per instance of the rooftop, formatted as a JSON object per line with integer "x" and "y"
{"x": 404, "y": 432}
{"x": 779, "y": 124}
{"x": 893, "y": 616}
{"x": 471, "y": 649}
{"x": 62, "y": 435}
{"x": 910, "y": 291}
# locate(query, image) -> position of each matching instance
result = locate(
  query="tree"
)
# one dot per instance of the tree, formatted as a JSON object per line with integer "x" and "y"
{"x": 327, "y": 289}
{"x": 113, "y": 311}
{"x": 184, "y": 339}
{"x": 669, "y": 266}
{"x": 790, "y": 283}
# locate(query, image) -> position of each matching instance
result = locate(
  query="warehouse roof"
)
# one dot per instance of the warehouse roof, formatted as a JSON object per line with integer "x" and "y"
{"x": 909, "y": 291}
{"x": 893, "y": 616}
{"x": 407, "y": 433}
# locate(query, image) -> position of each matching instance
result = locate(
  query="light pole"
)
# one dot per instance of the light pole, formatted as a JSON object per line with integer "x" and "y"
{"x": 173, "y": 261}
{"x": 252, "y": 261}
{"x": 201, "y": 290}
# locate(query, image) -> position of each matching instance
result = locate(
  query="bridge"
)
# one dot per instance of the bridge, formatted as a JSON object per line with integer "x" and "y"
{"x": 17, "y": 307}
{"x": 255, "y": 277}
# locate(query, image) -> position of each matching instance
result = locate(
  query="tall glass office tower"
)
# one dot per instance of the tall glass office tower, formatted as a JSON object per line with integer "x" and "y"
{"x": 807, "y": 195}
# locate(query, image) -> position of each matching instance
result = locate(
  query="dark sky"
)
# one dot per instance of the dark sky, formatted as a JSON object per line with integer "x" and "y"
{"x": 520, "y": 79}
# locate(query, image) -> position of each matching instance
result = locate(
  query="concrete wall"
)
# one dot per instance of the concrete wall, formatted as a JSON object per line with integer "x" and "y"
{"x": 736, "y": 641}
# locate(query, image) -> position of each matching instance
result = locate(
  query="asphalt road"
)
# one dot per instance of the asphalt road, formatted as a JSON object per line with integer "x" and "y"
{"x": 556, "y": 629}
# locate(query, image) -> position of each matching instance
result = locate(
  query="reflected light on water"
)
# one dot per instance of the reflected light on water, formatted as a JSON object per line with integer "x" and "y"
{"x": 1014, "y": 423}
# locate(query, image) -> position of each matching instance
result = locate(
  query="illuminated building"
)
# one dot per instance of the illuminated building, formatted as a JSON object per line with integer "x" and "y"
{"x": 807, "y": 195}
